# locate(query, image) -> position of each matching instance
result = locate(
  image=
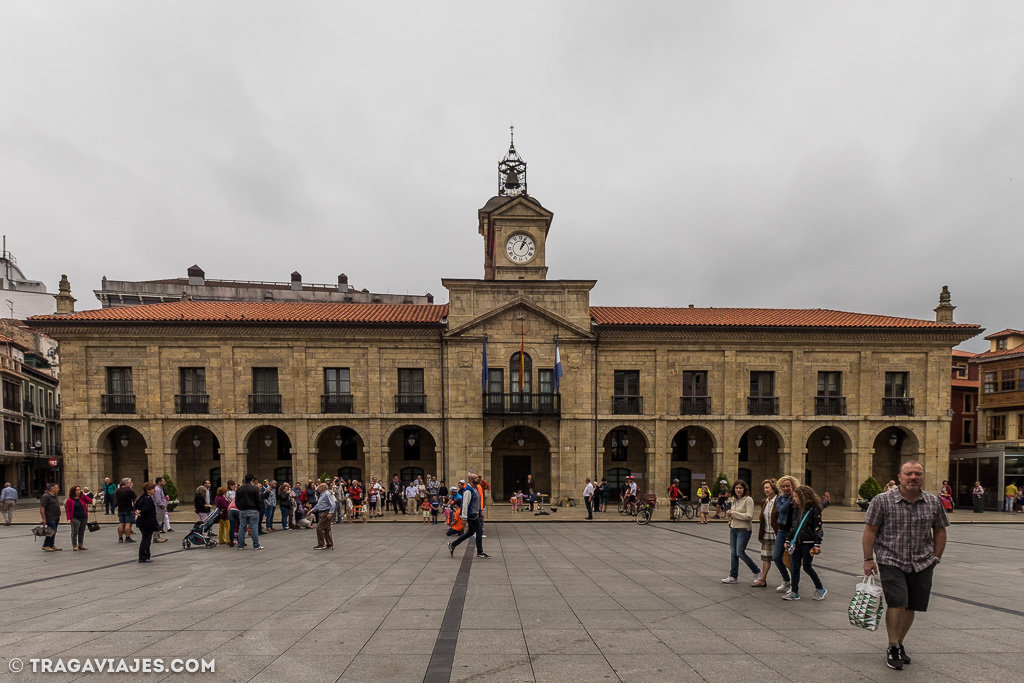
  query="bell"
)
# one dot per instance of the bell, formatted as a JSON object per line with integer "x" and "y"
{"x": 512, "y": 181}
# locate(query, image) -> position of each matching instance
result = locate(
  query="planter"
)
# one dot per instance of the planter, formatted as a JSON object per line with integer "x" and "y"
{"x": 863, "y": 504}
{"x": 171, "y": 504}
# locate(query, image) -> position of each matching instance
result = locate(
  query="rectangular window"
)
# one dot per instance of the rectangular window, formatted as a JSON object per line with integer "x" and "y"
{"x": 1020, "y": 379}
{"x": 192, "y": 380}
{"x": 990, "y": 383}
{"x": 11, "y": 396}
{"x": 959, "y": 370}
{"x": 830, "y": 384}
{"x": 119, "y": 381}
{"x": 762, "y": 384}
{"x": 968, "y": 403}
{"x": 410, "y": 381}
{"x": 1020, "y": 426}
{"x": 997, "y": 428}
{"x": 495, "y": 381}
{"x": 336, "y": 381}
{"x": 546, "y": 381}
{"x": 968, "y": 436}
{"x": 264, "y": 381}
{"x": 695, "y": 383}
{"x": 896, "y": 384}
{"x": 1001, "y": 344}
{"x": 1008, "y": 380}
{"x": 627, "y": 382}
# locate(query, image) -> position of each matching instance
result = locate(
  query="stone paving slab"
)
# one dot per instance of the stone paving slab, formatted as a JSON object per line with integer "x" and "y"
{"x": 557, "y": 602}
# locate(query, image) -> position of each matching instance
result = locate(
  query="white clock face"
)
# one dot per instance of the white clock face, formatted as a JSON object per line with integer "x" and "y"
{"x": 520, "y": 248}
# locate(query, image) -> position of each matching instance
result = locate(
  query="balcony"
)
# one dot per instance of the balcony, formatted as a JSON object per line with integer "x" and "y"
{"x": 628, "y": 405}
{"x": 336, "y": 403}
{"x": 830, "y": 405}
{"x": 117, "y": 404}
{"x": 29, "y": 407}
{"x": 192, "y": 404}
{"x": 264, "y": 403}
{"x": 410, "y": 403}
{"x": 523, "y": 404}
{"x": 898, "y": 406}
{"x": 762, "y": 405}
{"x": 694, "y": 405}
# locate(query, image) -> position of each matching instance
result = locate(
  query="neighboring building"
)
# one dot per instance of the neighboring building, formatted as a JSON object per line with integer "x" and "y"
{"x": 31, "y": 457}
{"x": 197, "y": 288}
{"x": 291, "y": 390}
{"x": 963, "y": 431}
{"x": 999, "y": 458}
{"x": 21, "y": 297}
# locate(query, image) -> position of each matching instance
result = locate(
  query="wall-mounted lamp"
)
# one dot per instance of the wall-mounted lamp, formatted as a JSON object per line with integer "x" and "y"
{"x": 124, "y": 441}
{"x": 338, "y": 440}
{"x": 692, "y": 441}
{"x": 267, "y": 440}
{"x": 517, "y": 436}
{"x": 624, "y": 440}
{"x": 196, "y": 441}
{"x": 414, "y": 436}
{"x": 758, "y": 439}
{"x": 893, "y": 438}
{"x": 825, "y": 440}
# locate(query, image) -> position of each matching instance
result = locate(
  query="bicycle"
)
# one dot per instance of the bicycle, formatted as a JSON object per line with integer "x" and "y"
{"x": 627, "y": 509}
{"x": 646, "y": 509}
{"x": 683, "y": 509}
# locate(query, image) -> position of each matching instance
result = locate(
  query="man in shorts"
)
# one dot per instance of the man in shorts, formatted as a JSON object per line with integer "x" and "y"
{"x": 631, "y": 493}
{"x": 125, "y": 499}
{"x": 904, "y": 538}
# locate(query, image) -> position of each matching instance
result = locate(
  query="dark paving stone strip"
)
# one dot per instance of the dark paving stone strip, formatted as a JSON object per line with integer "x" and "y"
{"x": 439, "y": 670}
{"x": 856, "y": 575}
{"x": 83, "y": 571}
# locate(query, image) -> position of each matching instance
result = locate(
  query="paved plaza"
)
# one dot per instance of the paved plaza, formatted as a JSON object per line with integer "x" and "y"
{"x": 557, "y": 602}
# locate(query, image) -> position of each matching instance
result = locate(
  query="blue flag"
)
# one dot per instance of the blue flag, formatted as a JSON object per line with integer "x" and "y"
{"x": 483, "y": 374}
{"x": 558, "y": 366}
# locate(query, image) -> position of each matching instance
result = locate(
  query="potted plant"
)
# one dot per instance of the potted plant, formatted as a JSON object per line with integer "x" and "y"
{"x": 718, "y": 484}
{"x": 171, "y": 491}
{"x": 868, "y": 490}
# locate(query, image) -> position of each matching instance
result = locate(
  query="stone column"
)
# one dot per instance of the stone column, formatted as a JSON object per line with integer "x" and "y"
{"x": 556, "y": 479}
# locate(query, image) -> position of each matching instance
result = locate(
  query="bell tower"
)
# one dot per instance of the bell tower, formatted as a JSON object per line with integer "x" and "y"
{"x": 514, "y": 225}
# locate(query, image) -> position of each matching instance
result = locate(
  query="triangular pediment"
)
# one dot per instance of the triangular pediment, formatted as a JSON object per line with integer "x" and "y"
{"x": 500, "y": 314}
{"x": 519, "y": 207}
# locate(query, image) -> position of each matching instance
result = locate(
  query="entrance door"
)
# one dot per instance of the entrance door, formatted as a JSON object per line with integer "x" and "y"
{"x": 514, "y": 468}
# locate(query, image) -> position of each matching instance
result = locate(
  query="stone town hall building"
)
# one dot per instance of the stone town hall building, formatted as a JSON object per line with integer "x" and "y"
{"x": 291, "y": 390}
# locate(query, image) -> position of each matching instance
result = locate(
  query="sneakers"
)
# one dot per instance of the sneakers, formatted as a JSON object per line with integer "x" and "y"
{"x": 451, "y": 549}
{"x": 120, "y": 540}
{"x": 319, "y": 547}
{"x": 48, "y": 549}
{"x": 730, "y": 579}
{"x": 903, "y": 654}
{"x": 784, "y": 588}
{"x": 483, "y": 556}
{"x": 129, "y": 540}
{"x": 791, "y": 596}
{"x": 820, "y": 593}
{"x": 892, "y": 657}
{"x": 258, "y": 547}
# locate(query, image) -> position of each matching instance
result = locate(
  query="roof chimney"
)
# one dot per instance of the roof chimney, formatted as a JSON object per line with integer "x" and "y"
{"x": 944, "y": 311}
{"x": 196, "y": 276}
{"x": 296, "y": 281}
{"x": 343, "y": 283}
{"x": 65, "y": 302}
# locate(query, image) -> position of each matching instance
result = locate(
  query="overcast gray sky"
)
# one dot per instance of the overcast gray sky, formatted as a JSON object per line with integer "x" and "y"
{"x": 855, "y": 156}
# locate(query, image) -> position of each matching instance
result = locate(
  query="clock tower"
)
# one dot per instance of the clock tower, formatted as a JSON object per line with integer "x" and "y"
{"x": 514, "y": 226}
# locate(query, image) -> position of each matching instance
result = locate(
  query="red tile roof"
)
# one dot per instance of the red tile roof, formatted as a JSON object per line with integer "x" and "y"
{"x": 1019, "y": 349}
{"x": 1005, "y": 333}
{"x": 960, "y": 353}
{"x": 964, "y": 383}
{"x": 285, "y": 312}
{"x": 757, "y": 317}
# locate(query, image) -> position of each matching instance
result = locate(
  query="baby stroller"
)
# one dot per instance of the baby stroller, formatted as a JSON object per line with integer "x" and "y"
{"x": 201, "y": 533}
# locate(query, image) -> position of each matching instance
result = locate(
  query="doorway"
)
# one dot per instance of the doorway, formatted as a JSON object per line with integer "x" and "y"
{"x": 514, "y": 471}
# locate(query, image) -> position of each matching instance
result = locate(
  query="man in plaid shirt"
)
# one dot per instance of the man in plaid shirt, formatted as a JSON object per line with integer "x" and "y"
{"x": 905, "y": 533}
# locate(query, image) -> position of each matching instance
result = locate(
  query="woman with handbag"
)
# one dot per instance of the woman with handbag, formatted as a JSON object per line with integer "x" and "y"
{"x": 767, "y": 527}
{"x": 145, "y": 509}
{"x": 805, "y": 542}
{"x": 78, "y": 516}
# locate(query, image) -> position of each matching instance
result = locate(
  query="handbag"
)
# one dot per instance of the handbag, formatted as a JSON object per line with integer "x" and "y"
{"x": 92, "y": 526}
{"x": 865, "y": 609}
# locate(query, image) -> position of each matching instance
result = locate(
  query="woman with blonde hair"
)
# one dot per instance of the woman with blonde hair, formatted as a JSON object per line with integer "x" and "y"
{"x": 783, "y": 517}
{"x": 768, "y": 525}
{"x": 805, "y": 542}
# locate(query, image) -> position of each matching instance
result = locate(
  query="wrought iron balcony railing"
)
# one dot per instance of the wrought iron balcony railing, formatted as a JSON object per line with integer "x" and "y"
{"x": 410, "y": 403}
{"x": 264, "y": 403}
{"x": 192, "y": 404}
{"x": 628, "y": 405}
{"x": 898, "y": 406}
{"x": 830, "y": 405}
{"x": 336, "y": 403}
{"x": 694, "y": 405}
{"x": 117, "y": 404}
{"x": 762, "y": 405}
{"x": 522, "y": 404}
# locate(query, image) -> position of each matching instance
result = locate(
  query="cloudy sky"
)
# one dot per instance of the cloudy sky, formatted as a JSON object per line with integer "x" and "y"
{"x": 855, "y": 156}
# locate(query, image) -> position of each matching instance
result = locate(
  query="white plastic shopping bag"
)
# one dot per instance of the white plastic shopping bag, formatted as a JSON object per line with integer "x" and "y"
{"x": 866, "y": 606}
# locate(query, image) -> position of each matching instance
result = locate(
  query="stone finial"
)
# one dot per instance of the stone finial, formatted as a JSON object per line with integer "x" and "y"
{"x": 65, "y": 302}
{"x": 944, "y": 311}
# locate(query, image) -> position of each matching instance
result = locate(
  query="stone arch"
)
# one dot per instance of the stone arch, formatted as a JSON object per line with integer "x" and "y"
{"x": 263, "y": 460}
{"x": 515, "y": 466}
{"x": 250, "y": 429}
{"x": 493, "y": 431}
{"x": 632, "y": 456}
{"x": 827, "y": 467}
{"x": 102, "y": 442}
{"x": 124, "y": 452}
{"x": 887, "y": 457}
{"x": 411, "y": 457}
{"x": 317, "y": 432}
{"x": 179, "y": 428}
{"x": 332, "y": 457}
{"x": 758, "y": 462}
{"x": 193, "y": 464}
{"x": 685, "y": 462}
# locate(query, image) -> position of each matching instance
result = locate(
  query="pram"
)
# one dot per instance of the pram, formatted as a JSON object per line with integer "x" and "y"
{"x": 201, "y": 533}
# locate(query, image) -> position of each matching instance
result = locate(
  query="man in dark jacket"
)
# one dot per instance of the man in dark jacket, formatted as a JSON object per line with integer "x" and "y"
{"x": 49, "y": 511}
{"x": 397, "y": 493}
{"x": 125, "y": 497}
{"x": 250, "y": 504}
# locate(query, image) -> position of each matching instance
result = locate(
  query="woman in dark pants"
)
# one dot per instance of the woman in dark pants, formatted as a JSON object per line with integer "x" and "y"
{"x": 145, "y": 510}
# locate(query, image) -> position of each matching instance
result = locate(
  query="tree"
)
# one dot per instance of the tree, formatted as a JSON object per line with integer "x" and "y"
{"x": 170, "y": 488}
{"x": 719, "y": 478}
{"x": 869, "y": 489}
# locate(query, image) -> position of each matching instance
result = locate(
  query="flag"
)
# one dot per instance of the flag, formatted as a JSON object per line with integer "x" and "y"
{"x": 558, "y": 366}
{"x": 483, "y": 374}
{"x": 522, "y": 357}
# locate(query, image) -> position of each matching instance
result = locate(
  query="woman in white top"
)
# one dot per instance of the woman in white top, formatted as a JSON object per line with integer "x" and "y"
{"x": 739, "y": 515}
